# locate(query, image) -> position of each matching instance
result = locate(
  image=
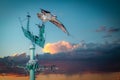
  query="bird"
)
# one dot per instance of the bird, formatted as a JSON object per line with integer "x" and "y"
{"x": 46, "y": 16}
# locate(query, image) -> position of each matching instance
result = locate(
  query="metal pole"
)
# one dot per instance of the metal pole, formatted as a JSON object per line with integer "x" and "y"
{"x": 32, "y": 58}
{"x": 28, "y": 16}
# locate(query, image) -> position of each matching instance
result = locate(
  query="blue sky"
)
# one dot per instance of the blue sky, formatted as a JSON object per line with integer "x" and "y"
{"x": 80, "y": 17}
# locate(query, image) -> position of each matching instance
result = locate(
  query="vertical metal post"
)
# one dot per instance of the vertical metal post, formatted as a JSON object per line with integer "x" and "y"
{"x": 32, "y": 52}
{"x": 28, "y": 16}
{"x": 32, "y": 57}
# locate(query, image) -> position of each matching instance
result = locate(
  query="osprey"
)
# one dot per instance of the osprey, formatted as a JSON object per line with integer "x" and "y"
{"x": 47, "y": 16}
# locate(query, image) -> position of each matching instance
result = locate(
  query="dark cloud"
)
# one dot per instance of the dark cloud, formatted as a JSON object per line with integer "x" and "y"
{"x": 111, "y": 30}
{"x": 108, "y": 32}
{"x": 95, "y": 58}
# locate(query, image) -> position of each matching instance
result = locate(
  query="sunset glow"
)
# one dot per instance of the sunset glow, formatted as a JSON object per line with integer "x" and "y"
{"x": 88, "y": 76}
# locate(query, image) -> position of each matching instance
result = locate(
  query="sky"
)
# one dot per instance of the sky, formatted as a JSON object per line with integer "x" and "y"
{"x": 84, "y": 19}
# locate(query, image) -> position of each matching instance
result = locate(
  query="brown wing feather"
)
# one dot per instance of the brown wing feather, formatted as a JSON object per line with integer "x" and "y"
{"x": 59, "y": 25}
{"x": 44, "y": 11}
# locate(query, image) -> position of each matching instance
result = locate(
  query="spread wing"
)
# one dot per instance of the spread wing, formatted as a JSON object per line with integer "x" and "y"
{"x": 59, "y": 25}
{"x": 44, "y": 11}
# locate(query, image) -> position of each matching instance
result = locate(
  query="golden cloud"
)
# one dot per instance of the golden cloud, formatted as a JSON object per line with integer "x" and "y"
{"x": 61, "y": 46}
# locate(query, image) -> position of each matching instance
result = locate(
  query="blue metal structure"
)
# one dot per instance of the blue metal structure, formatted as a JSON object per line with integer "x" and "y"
{"x": 32, "y": 64}
{"x": 39, "y": 40}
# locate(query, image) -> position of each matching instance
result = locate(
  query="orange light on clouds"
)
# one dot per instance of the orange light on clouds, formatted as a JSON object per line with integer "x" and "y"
{"x": 61, "y": 46}
{"x": 49, "y": 48}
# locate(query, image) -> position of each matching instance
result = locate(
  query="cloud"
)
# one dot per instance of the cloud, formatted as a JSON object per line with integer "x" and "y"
{"x": 105, "y": 29}
{"x": 61, "y": 46}
{"x": 113, "y": 30}
{"x": 108, "y": 31}
{"x": 67, "y": 47}
{"x": 101, "y": 29}
{"x": 92, "y": 59}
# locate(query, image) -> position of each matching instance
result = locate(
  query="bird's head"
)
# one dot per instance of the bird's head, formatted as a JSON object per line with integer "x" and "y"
{"x": 39, "y": 15}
